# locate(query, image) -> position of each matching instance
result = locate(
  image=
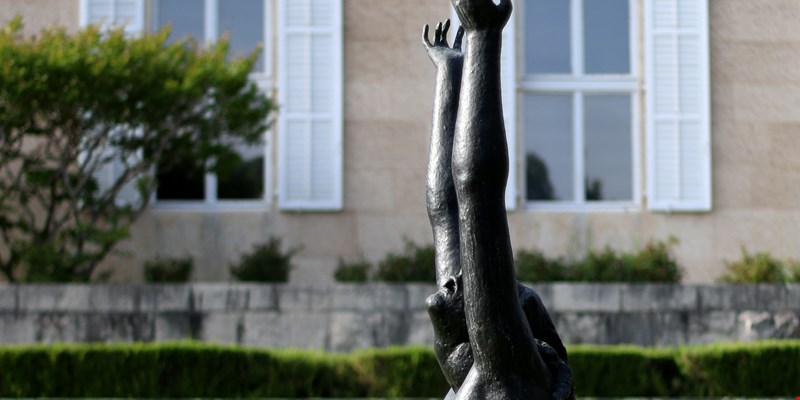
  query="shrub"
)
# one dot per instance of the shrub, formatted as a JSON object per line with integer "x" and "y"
{"x": 534, "y": 266}
{"x": 266, "y": 263}
{"x": 759, "y": 268}
{"x": 415, "y": 264}
{"x": 358, "y": 271}
{"x": 86, "y": 117}
{"x": 653, "y": 263}
{"x": 168, "y": 270}
{"x": 197, "y": 370}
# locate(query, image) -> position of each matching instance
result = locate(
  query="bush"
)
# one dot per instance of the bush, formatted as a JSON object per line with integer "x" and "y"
{"x": 196, "y": 370}
{"x": 267, "y": 263}
{"x": 87, "y": 116}
{"x": 356, "y": 272}
{"x": 415, "y": 264}
{"x": 653, "y": 263}
{"x": 760, "y": 268}
{"x": 168, "y": 270}
{"x": 534, "y": 266}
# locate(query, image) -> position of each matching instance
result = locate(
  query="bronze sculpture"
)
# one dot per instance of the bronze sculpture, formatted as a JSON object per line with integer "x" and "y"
{"x": 493, "y": 337}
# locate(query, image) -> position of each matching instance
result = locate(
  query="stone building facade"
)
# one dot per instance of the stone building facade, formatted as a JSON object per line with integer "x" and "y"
{"x": 713, "y": 164}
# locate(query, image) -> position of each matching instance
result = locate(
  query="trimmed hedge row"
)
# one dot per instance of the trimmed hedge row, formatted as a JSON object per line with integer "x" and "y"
{"x": 203, "y": 370}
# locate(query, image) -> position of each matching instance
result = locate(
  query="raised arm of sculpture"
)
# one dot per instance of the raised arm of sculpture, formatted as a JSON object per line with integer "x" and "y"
{"x": 440, "y": 191}
{"x": 506, "y": 361}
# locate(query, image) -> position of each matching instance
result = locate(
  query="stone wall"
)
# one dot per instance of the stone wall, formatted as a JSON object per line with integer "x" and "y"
{"x": 345, "y": 317}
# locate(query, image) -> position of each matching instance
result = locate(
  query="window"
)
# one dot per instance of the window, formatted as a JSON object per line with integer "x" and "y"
{"x": 245, "y": 23}
{"x": 309, "y": 89}
{"x": 577, "y": 61}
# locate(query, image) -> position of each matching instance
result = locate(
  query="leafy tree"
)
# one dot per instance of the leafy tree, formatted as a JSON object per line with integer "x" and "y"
{"x": 75, "y": 106}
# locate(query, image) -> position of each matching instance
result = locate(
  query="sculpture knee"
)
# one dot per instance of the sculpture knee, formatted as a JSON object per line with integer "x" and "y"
{"x": 480, "y": 172}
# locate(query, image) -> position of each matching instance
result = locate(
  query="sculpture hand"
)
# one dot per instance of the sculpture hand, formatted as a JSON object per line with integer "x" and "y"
{"x": 476, "y": 15}
{"x": 439, "y": 51}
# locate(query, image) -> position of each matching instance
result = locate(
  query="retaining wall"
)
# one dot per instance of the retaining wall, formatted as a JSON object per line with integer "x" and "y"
{"x": 344, "y": 317}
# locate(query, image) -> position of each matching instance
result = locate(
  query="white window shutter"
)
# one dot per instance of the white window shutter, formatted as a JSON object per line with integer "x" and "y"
{"x": 310, "y": 96}
{"x": 114, "y": 13}
{"x": 678, "y": 106}
{"x": 508, "y": 81}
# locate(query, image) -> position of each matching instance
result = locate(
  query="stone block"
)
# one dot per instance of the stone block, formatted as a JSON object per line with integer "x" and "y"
{"x": 727, "y": 297}
{"x": 225, "y": 328}
{"x": 655, "y": 297}
{"x": 61, "y": 327}
{"x": 170, "y": 298}
{"x": 120, "y": 327}
{"x": 648, "y": 328}
{"x": 8, "y": 298}
{"x": 115, "y": 298}
{"x": 286, "y": 329}
{"x": 219, "y": 297}
{"x": 761, "y": 325}
{"x": 353, "y": 330}
{"x": 793, "y": 296}
{"x": 43, "y": 298}
{"x": 420, "y": 330}
{"x": 581, "y": 327}
{"x": 367, "y": 297}
{"x": 754, "y": 325}
{"x": 787, "y": 325}
{"x": 17, "y": 328}
{"x": 302, "y": 297}
{"x": 357, "y": 330}
{"x": 586, "y": 297}
{"x": 174, "y": 326}
{"x": 712, "y": 326}
{"x": 262, "y": 298}
{"x": 772, "y": 297}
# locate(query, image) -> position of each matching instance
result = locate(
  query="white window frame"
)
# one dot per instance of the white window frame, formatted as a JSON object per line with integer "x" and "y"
{"x": 578, "y": 84}
{"x": 264, "y": 80}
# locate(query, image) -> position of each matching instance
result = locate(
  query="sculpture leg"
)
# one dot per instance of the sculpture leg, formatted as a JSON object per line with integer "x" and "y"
{"x": 506, "y": 363}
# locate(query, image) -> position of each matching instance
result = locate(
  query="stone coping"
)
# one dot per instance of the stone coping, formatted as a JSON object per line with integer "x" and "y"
{"x": 226, "y": 297}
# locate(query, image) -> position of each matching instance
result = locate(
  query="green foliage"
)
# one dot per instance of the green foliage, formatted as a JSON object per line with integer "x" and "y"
{"x": 760, "y": 268}
{"x": 74, "y": 105}
{"x": 196, "y": 370}
{"x": 415, "y": 264}
{"x": 266, "y": 263}
{"x": 168, "y": 270}
{"x": 653, "y": 263}
{"x": 534, "y": 266}
{"x": 624, "y": 371}
{"x": 355, "y": 272}
{"x": 766, "y": 369}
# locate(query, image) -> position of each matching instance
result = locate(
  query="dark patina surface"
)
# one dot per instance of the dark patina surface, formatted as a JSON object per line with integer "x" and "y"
{"x": 493, "y": 336}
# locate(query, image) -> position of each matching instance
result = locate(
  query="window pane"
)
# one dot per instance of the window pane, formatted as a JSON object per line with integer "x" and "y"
{"x": 606, "y": 36}
{"x": 185, "y": 16}
{"x": 548, "y": 147}
{"x": 245, "y": 179}
{"x": 243, "y": 20}
{"x": 547, "y": 37}
{"x": 180, "y": 180}
{"x": 609, "y": 158}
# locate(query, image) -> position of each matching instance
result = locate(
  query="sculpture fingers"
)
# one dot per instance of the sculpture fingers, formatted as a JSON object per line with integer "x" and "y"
{"x": 459, "y": 37}
{"x": 425, "y": 40}
{"x": 445, "y": 29}
{"x": 437, "y": 35}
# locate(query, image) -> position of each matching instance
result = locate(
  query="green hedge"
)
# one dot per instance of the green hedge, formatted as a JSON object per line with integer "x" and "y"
{"x": 203, "y": 370}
